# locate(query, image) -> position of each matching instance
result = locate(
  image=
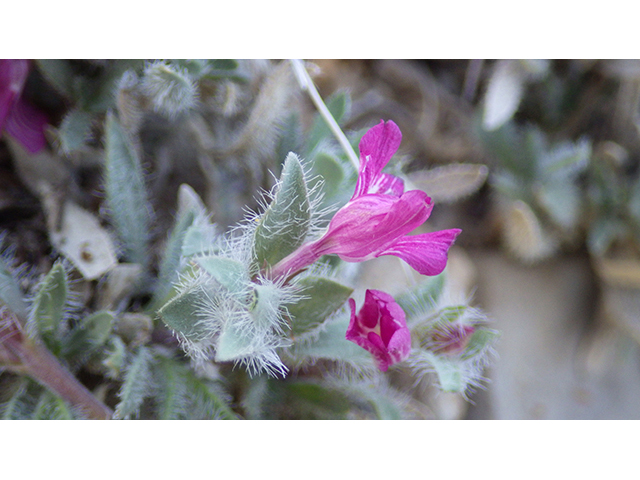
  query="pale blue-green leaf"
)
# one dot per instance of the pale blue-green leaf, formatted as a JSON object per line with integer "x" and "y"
{"x": 233, "y": 344}
{"x": 321, "y": 298}
{"x": 75, "y": 130}
{"x": 190, "y": 207}
{"x": 450, "y": 371}
{"x": 562, "y": 200}
{"x": 88, "y": 335}
{"x": 230, "y": 273}
{"x": 52, "y": 407}
{"x": 331, "y": 344}
{"x": 48, "y": 308}
{"x": 284, "y": 225}
{"x": 126, "y": 193}
{"x": 136, "y": 386}
{"x": 180, "y": 314}
{"x": 10, "y": 292}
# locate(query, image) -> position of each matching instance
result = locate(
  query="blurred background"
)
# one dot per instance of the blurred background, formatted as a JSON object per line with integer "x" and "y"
{"x": 550, "y": 247}
{"x": 535, "y": 160}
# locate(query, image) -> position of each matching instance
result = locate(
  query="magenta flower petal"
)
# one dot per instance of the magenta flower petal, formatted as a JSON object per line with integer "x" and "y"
{"x": 18, "y": 118}
{"x": 376, "y": 149}
{"x": 380, "y": 328}
{"x": 387, "y": 185}
{"x": 371, "y": 223}
{"x": 13, "y": 74}
{"x": 26, "y": 124}
{"x": 426, "y": 252}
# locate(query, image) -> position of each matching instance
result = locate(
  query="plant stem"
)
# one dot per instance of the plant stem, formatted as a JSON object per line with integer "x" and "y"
{"x": 307, "y": 84}
{"x": 25, "y": 356}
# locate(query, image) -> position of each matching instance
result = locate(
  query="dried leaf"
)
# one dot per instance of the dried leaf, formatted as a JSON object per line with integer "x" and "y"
{"x": 504, "y": 93}
{"x": 525, "y": 236}
{"x": 450, "y": 182}
{"x": 83, "y": 241}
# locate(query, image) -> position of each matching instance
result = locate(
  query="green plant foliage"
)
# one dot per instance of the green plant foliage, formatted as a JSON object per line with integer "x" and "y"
{"x": 10, "y": 292}
{"x": 87, "y": 336}
{"x": 48, "y": 308}
{"x": 321, "y": 298}
{"x": 136, "y": 385}
{"x": 190, "y": 208}
{"x": 178, "y": 313}
{"x": 283, "y": 227}
{"x": 52, "y": 407}
{"x": 339, "y": 106}
{"x": 75, "y": 130}
{"x": 126, "y": 193}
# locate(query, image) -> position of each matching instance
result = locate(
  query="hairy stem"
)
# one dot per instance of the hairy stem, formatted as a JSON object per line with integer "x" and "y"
{"x": 307, "y": 84}
{"x": 25, "y": 356}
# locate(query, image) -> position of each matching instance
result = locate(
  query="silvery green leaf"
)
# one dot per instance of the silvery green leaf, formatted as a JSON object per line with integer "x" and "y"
{"x": 233, "y": 344}
{"x": 565, "y": 160}
{"x": 75, "y": 130}
{"x": 10, "y": 292}
{"x": 562, "y": 201}
{"x": 331, "y": 344}
{"x": 328, "y": 168}
{"x": 190, "y": 208}
{"x": 179, "y": 314}
{"x": 88, "y": 335}
{"x": 126, "y": 192}
{"x": 321, "y": 297}
{"x": 48, "y": 307}
{"x": 283, "y": 227}
{"x": 136, "y": 386}
{"x": 230, "y": 273}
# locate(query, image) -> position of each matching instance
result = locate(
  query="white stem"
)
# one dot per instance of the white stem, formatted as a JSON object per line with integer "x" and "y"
{"x": 307, "y": 84}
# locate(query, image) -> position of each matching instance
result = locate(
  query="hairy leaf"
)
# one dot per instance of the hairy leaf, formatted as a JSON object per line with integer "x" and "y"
{"x": 321, "y": 297}
{"x": 136, "y": 386}
{"x": 285, "y": 224}
{"x": 126, "y": 193}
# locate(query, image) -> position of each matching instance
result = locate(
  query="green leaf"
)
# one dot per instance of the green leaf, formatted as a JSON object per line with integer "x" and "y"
{"x": 315, "y": 401}
{"x": 98, "y": 94}
{"x": 126, "y": 193}
{"x": 322, "y": 297}
{"x": 480, "y": 341}
{"x": 233, "y": 344}
{"x": 10, "y": 292}
{"x": 450, "y": 372}
{"x": 52, "y": 407}
{"x": 20, "y": 399}
{"x": 47, "y": 311}
{"x": 179, "y": 314}
{"x": 115, "y": 354}
{"x": 285, "y": 224}
{"x": 562, "y": 201}
{"x": 60, "y": 74}
{"x": 190, "y": 207}
{"x": 88, "y": 335}
{"x": 331, "y": 344}
{"x": 172, "y": 397}
{"x": 136, "y": 386}
{"x": 208, "y": 399}
{"x": 327, "y": 167}
{"x": 231, "y": 274}
{"x": 75, "y": 130}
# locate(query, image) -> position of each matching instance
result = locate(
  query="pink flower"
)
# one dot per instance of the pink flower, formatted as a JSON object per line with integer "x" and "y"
{"x": 380, "y": 328}
{"x": 376, "y": 220}
{"x": 19, "y": 118}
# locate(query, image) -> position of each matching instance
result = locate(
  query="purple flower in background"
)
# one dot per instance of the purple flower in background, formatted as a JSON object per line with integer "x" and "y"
{"x": 19, "y": 118}
{"x": 380, "y": 328}
{"x": 378, "y": 217}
